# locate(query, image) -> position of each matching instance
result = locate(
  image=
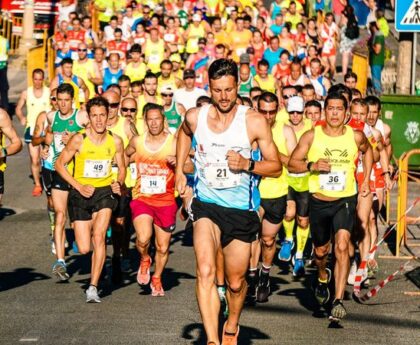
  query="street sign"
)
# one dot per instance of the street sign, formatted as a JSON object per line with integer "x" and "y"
{"x": 407, "y": 15}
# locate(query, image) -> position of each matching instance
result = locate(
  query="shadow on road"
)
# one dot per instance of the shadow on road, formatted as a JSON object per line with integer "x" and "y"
{"x": 247, "y": 335}
{"x": 19, "y": 277}
{"x": 6, "y": 212}
{"x": 183, "y": 236}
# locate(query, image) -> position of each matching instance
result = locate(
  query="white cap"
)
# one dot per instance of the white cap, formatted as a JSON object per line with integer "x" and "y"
{"x": 196, "y": 17}
{"x": 295, "y": 104}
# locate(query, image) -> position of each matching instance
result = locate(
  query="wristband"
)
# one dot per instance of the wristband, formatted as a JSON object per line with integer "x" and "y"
{"x": 309, "y": 165}
{"x": 4, "y": 152}
{"x": 251, "y": 165}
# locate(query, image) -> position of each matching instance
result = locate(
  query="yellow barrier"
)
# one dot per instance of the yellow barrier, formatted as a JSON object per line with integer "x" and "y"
{"x": 50, "y": 59}
{"x": 12, "y": 31}
{"x": 402, "y": 199}
{"x": 360, "y": 67}
{"x": 35, "y": 59}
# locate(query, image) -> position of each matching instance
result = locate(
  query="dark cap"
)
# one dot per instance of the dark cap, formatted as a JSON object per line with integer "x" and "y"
{"x": 244, "y": 58}
{"x": 202, "y": 40}
{"x": 189, "y": 73}
{"x": 250, "y": 50}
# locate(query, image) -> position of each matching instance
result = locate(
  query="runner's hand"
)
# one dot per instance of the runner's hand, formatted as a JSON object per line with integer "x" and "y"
{"x": 171, "y": 160}
{"x": 116, "y": 187}
{"x": 236, "y": 162}
{"x": 45, "y": 152}
{"x": 322, "y": 165}
{"x": 365, "y": 189}
{"x": 23, "y": 121}
{"x": 388, "y": 182}
{"x": 181, "y": 184}
{"x": 86, "y": 190}
{"x": 65, "y": 137}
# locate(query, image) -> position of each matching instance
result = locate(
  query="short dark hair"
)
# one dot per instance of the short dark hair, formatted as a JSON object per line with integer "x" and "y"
{"x": 223, "y": 68}
{"x": 373, "y": 100}
{"x": 153, "y": 106}
{"x": 247, "y": 101}
{"x": 263, "y": 62}
{"x": 38, "y": 71}
{"x": 359, "y": 101}
{"x": 355, "y": 92}
{"x": 268, "y": 97}
{"x": 340, "y": 88}
{"x": 336, "y": 96}
{"x": 349, "y": 75}
{"x": 66, "y": 88}
{"x": 255, "y": 88}
{"x": 124, "y": 77}
{"x": 118, "y": 30}
{"x": 136, "y": 83}
{"x": 66, "y": 61}
{"x": 313, "y": 103}
{"x": 308, "y": 87}
{"x": 150, "y": 75}
{"x": 98, "y": 101}
{"x": 166, "y": 62}
{"x": 287, "y": 88}
{"x": 202, "y": 100}
{"x": 135, "y": 48}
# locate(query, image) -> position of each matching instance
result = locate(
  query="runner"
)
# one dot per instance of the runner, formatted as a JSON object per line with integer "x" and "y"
{"x": 313, "y": 111}
{"x": 37, "y": 100}
{"x": 153, "y": 206}
{"x": 91, "y": 198}
{"x": 225, "y": 204}
{"x": 7, "y": 131}
{"x": 136, "y": 68}
{"x": 319, "y": 81}
{"x": 188, "y": 95}
{"x": 113, "y": 72}
{"x": 167, "y": 77}
{"x": 174, "y": 112}
{"x": 62, "y": 124}
{"x": 149, "y": 95}
{"x": 265, "y": 80}
{"x": 273, "y": 192}
{"x": 246, "y": 80}
{"x": 331, "y": 150}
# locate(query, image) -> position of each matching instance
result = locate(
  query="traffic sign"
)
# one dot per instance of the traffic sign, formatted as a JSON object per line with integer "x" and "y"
{"x": 407, "y": 15}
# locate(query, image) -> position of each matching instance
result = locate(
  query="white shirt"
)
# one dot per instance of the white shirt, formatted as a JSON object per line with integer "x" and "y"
{"x": 109, "y": 33}
{"x": 126, "y": 26}
{"x": 188, "y": 98}
{"x": 64, "y": 12}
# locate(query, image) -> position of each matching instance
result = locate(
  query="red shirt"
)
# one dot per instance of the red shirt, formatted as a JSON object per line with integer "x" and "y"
{"x": 75, "y": 38}
{"x": 118, "y": 47}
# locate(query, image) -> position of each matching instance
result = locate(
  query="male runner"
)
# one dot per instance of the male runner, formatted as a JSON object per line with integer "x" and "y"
{"x": 149, "y": 96}
{"x": 91, "y": 198}
{"x": 329, "y": 153}
{"x": 174, "y": 112}
{"x": 313, "y": 111}
{"x": 37, "y": 100}
{"x": 224, "y": 208}
{"x": 62, "y": 124}
{"x": 153, "y": 206}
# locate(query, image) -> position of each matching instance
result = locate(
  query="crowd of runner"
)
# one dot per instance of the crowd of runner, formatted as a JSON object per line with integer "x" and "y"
{"x": 226, "y": 114}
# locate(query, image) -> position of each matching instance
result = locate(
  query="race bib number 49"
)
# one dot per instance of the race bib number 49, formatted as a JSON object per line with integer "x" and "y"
{"x": 96, "y": 168}
{"x": 219, "y": 176}
{"x": 153, "y": 184}
{"x": 333, "y": 181}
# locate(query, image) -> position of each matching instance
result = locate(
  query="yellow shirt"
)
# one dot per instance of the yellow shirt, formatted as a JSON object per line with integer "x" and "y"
{"x": 83, "y": 71}
{"x": 136, "y": 73}
{"x": 268, "y": 84}
{"x": 240, "y": 41}
{"x": 154, "y": 54}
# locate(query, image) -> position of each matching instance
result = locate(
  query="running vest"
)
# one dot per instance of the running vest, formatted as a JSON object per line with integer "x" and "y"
{"x": 92, "y": 164}
{"x": 59, "y": 126}
{"x": 111, "y": 78}
{"x": 245, "y": 87}
{"x": 170, "y": 82}
{"x": 214, "y": 182}
{"x": 75, "y": 83}
{"x": 269, "y": 84}
{"x": 192, "y": 40}
{"x": 173, "y": 117}
{"x": 319, "y": 86}
{"x": 276, "y": 187}
{"x": 136, "y": 73}
{"x": 35, "y": 106}
{"x": 300, "y": 181}
{"x": 83, "y": 70}
{"x": 154, "y": 54}
{"x": 342, "y": 153}
{"x": 155, "y": 184}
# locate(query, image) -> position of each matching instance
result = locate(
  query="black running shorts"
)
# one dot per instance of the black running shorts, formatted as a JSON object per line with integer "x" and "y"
{"x": 82, "y": 208}
{"x": 47, "y": 180}
{"x": 234, "y": 224}
{"x": 274, "y": 209}
{"x": 59, "y": 183}
{"x": 123, "y": 207}
{"x": 1, "y": 182}
{"x": 302, "y": 201}
{"x": 327, "y": 217}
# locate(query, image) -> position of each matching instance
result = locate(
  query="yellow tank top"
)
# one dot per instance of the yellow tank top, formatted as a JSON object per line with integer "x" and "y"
{"x": 136, "y": 73}
{"x": 92, "y": 164}
{"x": 269, "y": 84}
{"x": 154, "y": 54}
{"x": 35, "y": 106}
{"x": 141, "y": 102}
{"x": 300, "y": 182}
{"x": 276, "y": 187}
{"x": 342, "y": 152}
{"x": 2, "y": 144}
{"x": 83, "y": 71}
{"x": 192, "y": 40}
{"x": 169, "y": 82}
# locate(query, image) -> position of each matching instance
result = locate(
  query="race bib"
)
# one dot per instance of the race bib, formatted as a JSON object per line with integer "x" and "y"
{"x": 169, "y": 37}
{"x": 333, "y": 181}
{"x": 154, "y": 58}
{"x": 219, "y": 176}
{"x": 114, "y": 170}
{"x": 133, "y": 171}
{"x": 328, "y": 46}
{"x": 153, "y": 184}
{"x": 58, "y": 142}
{"x": 108, "y": 12}
{"x": 96, "y": 168}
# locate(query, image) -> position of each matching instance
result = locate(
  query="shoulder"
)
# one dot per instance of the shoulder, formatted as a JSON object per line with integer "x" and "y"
{"x": 4, "y": 118}
{"x": 288, "y": 131}
{"x": 255, "y": 119}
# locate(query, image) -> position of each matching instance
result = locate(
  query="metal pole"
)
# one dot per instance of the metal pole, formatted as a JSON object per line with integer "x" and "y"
{"x": 414, "y": 64}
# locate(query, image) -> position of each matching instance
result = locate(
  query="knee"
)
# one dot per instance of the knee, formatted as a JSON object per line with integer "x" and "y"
{"x": 98, "y": 240}
{"x": 290, "y": 215}
{"x": 142, "y": 243}
{"x": 60, "y": 217}
{"x": 303, "y": 222}
{"x": 268, "y": 241}
{"x": 341, "y": 248}
{"x": 162, "y": 249}
{"x": 236, "y": 285}
{"x": 120, "y": 223}
{"x": 206, "y": 274}
{"x": 83, "y": 249}
{"x": 321, "y": 252}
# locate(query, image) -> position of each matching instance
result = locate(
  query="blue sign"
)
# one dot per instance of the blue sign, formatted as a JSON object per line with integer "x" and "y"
{"x": 407, "y": 15}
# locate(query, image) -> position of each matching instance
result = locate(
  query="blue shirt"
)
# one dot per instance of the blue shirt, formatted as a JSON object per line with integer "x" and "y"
{"x": 273, "y": 57}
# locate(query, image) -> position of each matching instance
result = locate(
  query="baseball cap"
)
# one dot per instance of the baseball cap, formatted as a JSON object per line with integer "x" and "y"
{"x": 202, "y": 40}
{"x": 189, "y": 73}
{"x": 244, "y": 58}
{"x": 166, "y": 89}
{"x": 175, "y": 58}
{"x": 250, "y": 50}
{"x": 196, "y": 17}
{"x": 295, "y": 104}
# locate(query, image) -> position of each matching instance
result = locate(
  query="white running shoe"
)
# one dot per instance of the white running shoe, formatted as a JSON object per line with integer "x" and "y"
{"x": 352, "y": 274}
{"x": 92, "y": 295}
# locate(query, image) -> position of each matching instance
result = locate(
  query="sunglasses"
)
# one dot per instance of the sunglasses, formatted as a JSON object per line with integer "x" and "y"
{"x": 82, "y": 50}
{"x": 54, "y": 99}
{"x": 288, "y": 96}
{"x": 267, "y": 112}
{"x": 124, "y": 109}
{"x": 296, "y": 112}
{"x": 167, "y": 94}
{"x": 114, "y": 105}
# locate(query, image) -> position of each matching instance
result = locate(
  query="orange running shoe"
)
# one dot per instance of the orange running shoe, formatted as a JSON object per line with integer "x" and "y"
{"x": 229, "y": 338}
{"x": 37, "y": 191}
{"x": 143, "y": 274}
{"x": 156, "y": 286}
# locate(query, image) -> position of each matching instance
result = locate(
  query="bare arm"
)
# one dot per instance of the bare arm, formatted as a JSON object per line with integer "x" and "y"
{"x": 19, "y": 108}
{"x": 9, "y": 131}
{"x": 54, "y": 83}
{"x": 291, "y": 142}
{"x": 83, "y": 86}
{"x": 367, "y": 160}
{"x": 119, "y": 159}
{"x": 130, "y": 150}
{"x": 37, "y": 138}
{"x": 298, "y": 162}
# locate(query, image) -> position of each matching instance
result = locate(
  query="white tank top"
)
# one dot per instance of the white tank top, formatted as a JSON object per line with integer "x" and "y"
{"x": 35, "y": 105}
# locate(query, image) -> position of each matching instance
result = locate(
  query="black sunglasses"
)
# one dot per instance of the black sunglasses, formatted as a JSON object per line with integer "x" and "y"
{"x": 82, "y": 50}
{"x": 53, "y": 98}
{"x": 267, "y": 112}
{"x": 124, "y": 109}
{"x": 288, "y": 96}
{"x": 114, "y": 105}
{"x": 296, "y": 112}
{"x": 167, "y": 94}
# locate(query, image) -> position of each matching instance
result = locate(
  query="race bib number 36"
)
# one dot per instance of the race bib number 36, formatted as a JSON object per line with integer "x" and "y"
{"x": 219, "y": 176}
{"x": 96, "y": 168}
{"x": 153, "y": 184}
{"x": 333, "y": 182}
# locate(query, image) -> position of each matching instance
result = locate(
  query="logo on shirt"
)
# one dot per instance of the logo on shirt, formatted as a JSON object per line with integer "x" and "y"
{"x": 412, "y": 132}
{"x": 330, "y": 153}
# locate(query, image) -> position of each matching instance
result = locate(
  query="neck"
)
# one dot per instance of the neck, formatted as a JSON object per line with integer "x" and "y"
{"x": 334, "y": 131}
{"x": 66, "y": 114}
{"x": 95, "y": 136}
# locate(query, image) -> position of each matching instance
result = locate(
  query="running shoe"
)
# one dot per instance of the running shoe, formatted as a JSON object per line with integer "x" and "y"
{"x": 125, "y": 264}
{"x": 92, "y": 295}
{"x": 298, "y": 268}
{"x": 53, "y": 251}
{"x": 66, "y": 243}
{"x": 352, "y": 274}
{"x": 143, "y": 274}
{"x": 322, "y": 292}
{"x": 75, "y": 247}
{"x": 221, "y": 290}
{"x": 263, "y": 288}
{"x": 373, "y": 268}
{"x": 252, "y": 287}
{"x": 37, "y": 191}
{"x": 285, "y": 253}
{"x": 338, "y": 311}
{"x": 156, "y": 286}
{"x": 60, "y": 270}
{"x": 229, "y": 338}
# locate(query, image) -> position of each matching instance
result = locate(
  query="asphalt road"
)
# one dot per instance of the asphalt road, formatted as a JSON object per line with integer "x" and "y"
{"x": 35, "y": 308}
